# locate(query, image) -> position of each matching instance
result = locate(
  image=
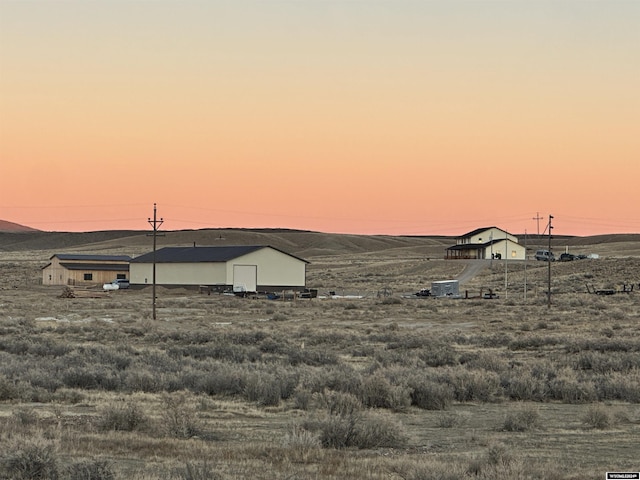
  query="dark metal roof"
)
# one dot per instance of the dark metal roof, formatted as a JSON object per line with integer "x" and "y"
{"x": 95, "y": 258}
{"x": 475, "y": 232}
{"x": 467, "y": 246}
{"x": 475, "y": 246}
{"x": 195, "y": 254}
{"x": 112, "y": 267}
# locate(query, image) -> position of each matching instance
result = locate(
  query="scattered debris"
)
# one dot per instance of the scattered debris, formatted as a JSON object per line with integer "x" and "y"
{"x": 68, "y": 292}
{"x": 626, "y": 288}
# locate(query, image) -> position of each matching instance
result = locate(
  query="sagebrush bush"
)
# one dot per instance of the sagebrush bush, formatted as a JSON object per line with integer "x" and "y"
{"x": 570, "y": 388}
{"x": 451, "y": 419}
{"x": 90, "y": 470}
{"x": 476, "y": 385}
{"x": 8, "y": 390}
{"x": 338, "y": 403}
{"x": 597, "y": 417}
{"x": 302, "y": 399}
{"x": 264, "y": 389}
{"x": 360, "y": 430}
{"x": 619, "y": 386}
{"x": 298, "y": 438}
{"x": 430, "y": 395}
{"x": 179, "y": 417}
{"x": 378, "y": 392}
{"x": 32, "y": 459}
{"x": 124, "y": 416}
{"x": 198, "y": 471}
{"x": 521, "y": 419}
{"x": 24, "y": 416}
{"x": 438, "y": 356}
{"x": 522, "y": 384}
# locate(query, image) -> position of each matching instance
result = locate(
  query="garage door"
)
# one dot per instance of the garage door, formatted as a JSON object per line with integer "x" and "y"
{"x": 245, "y": 278}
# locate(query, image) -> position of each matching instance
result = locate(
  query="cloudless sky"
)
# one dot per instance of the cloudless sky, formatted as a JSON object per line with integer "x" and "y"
{"x": 361, "y": 116}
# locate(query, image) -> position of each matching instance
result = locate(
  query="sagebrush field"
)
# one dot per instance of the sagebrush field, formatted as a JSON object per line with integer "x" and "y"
{"x": 387, "y": 386}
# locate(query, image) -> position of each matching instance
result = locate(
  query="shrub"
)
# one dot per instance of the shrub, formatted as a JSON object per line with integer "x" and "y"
{"x": 302, "y": 399}
{"x": 358, "y": 430}
{"x": 377, "y": 392}
{"x": 499, "y": 454}
{"x": 339, "y": 403}
{"x": 300, "y": 439}
{"x": 438, "y": 356}
{"x": 263, "y": 389}
{"x": 32, "y": 460}
{"x": 429, "y": 395}
{"x": 25, "y": 416}
{"x": 596, "y": 416}
{"x": 521, "y": 420}
{"x": 8, "y": 390}
{"x": 91, "y": 470}
{"x": 201, "y": 471}
{"x": 450, "y": 420}
{"x": 313, "y": 357}
{"x": 180, "y": 419}
{"x": 219, "y": 379}
{"x": 522, "y": 384}
{"x": 619, "y": 386}
{"x": 570, "y": 389}
{"x": 123, "y": 417}
{"x": 391, "y": 301}
{"x": 376, "y": 430}
{"x": 473, "y": 385}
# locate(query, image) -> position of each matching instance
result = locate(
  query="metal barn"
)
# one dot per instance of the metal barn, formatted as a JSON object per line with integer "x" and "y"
{"x": 239, "y": 268}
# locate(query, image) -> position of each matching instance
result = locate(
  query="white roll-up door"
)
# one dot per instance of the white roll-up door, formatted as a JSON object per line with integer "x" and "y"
{"x": 245, "y": 278}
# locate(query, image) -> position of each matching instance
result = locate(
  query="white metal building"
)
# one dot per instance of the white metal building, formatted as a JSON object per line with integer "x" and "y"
{"x": 241, "y": 268}
{"x": 488, "y": 242}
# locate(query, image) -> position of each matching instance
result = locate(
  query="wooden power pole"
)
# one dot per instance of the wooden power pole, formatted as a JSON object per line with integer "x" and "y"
{"x": 155, "y": 224}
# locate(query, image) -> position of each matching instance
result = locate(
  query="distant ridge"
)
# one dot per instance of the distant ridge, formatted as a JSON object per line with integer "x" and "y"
{"x": 15, "y": 227}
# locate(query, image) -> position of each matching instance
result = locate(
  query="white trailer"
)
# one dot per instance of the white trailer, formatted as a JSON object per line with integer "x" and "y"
{"x": 445, "y": 288}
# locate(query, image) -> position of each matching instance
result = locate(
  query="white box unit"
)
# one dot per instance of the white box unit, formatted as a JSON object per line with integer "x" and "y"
{"x": 445, "y": 288}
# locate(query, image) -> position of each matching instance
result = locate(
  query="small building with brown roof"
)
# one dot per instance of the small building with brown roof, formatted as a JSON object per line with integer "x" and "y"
{"x": 77, "y": 269}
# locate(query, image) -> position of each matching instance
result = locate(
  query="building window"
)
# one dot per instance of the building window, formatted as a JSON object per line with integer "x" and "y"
{"x": 88, "y": 276}
{"x": 121, "y": 276}
{"x": 49, "y": 277}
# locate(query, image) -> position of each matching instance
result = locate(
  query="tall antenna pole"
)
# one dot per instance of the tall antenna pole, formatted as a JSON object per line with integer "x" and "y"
{"x": 549, "y": 266}
{"x": 155, "y": 224}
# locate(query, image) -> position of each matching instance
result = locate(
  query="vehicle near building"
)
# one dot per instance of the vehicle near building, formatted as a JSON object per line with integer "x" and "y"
{"x": 118, "y": 284}
{"x": 545, "y": 256}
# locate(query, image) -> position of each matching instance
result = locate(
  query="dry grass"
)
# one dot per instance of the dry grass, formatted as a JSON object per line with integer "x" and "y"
{"x": 415, "y": 388}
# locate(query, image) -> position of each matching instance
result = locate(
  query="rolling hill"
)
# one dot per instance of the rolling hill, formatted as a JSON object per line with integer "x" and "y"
{"x": 6, "y": 226}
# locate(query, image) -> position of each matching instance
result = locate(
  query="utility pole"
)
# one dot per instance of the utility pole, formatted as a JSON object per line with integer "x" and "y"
{"x": 537, "y": 218}
{"x": 506, "y": 259}
{"x": 525, "y": 265}
{"x": 549, "y": 266}
{"x": 155, "y": 224}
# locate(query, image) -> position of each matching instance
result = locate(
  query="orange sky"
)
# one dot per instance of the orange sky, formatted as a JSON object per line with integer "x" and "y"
{"x": 389, "y": 117}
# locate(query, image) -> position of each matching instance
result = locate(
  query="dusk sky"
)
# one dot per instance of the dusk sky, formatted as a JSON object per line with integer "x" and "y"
{"x": 369, "y": 117}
